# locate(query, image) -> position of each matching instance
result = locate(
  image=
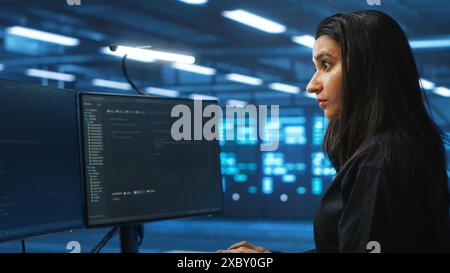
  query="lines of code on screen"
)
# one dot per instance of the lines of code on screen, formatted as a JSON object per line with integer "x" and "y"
{"x": 135, "y": 170}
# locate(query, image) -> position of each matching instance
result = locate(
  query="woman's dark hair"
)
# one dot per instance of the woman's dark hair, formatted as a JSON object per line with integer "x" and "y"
{"x": 381, "y": 92}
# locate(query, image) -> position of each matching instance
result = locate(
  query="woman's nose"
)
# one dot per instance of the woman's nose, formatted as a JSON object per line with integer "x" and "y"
{"x": 314, "y": 86}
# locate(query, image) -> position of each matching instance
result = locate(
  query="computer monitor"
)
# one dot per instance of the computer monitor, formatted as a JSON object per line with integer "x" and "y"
{"x": 40, "y": 172}
{"x": 135, "y": 171}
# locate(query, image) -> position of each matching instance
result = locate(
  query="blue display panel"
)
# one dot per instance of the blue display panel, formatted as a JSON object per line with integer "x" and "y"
{"x": 322, "y": 171}
{"x": 284, "y": 183}
{"x": 297, "y": 171}
{"x": 240, "y": 168}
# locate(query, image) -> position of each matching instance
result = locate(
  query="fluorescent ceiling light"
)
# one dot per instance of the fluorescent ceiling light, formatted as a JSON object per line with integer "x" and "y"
{"x": 42, "y": 36}
{"x": 202, "y": 97}
{"x": 50, "y": 75}
{"x": 426, "y": 84}
{"x": 111, "y": 84}
{"x": 309, "y": 95}
{"x": 162, "y": 92}
{"x": 147, "y": 55}
{"x": 237, "y": 103}
{"x": 431, "y": 43}
{"x": 443, "y": 91}
{"x": 195, "y": 68}
{"x": 253, "y": 20}
{"x": 131, "y": 55}
{"x": 194, "y": 2}
{"x": 243, "y": 79}
{"x": 284, "y": 88}
{"x": 304, "y": 40}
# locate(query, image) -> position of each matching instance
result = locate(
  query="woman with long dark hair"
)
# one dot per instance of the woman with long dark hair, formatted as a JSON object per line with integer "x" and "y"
{"x": 390, "y": 191}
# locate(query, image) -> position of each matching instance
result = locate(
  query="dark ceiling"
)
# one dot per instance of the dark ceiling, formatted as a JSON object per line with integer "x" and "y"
{"x": 202, "y": 31}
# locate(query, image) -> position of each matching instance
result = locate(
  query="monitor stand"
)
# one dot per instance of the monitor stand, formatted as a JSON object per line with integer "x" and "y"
{"x": 129, "y": 242}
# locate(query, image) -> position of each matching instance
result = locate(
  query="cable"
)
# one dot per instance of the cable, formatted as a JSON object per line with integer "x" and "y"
{"x": 24, "y": 249}
{"x": 105, "y": 240}
{"x": 125, "y": 73}
{"x": 113, "y": 47}
{"x": 141, "y": 233}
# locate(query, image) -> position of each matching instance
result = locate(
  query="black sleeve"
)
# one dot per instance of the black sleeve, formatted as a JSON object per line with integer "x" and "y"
{"x": 360, "y": 203}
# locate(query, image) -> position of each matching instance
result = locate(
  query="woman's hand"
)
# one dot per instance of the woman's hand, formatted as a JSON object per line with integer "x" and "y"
{"x": 244, "y": 247}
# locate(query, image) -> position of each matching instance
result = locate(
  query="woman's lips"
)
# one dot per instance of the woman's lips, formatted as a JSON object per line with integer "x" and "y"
{"x": 322, "y": 103}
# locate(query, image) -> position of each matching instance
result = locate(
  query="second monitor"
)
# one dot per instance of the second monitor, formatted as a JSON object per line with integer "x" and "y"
{"x": 135, "y": 171}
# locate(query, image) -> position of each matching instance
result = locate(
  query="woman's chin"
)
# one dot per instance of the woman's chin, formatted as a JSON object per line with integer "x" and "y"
{"x": 329, "y": 115}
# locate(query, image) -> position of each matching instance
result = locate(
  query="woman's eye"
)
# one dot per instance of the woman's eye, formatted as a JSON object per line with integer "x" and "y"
{"x": 325, "y": 65}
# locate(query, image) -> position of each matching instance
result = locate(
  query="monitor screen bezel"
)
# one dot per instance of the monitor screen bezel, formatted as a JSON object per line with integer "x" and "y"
{"x": 81, "y": 225}
{"x": 89, "y": 224}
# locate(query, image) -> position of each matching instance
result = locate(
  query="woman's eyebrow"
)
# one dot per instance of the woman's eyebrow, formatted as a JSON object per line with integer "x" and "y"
{"x": 321, "y": 55}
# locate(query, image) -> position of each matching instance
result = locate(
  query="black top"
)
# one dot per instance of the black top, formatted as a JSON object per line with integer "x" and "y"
{"x": 387, "y": 199}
